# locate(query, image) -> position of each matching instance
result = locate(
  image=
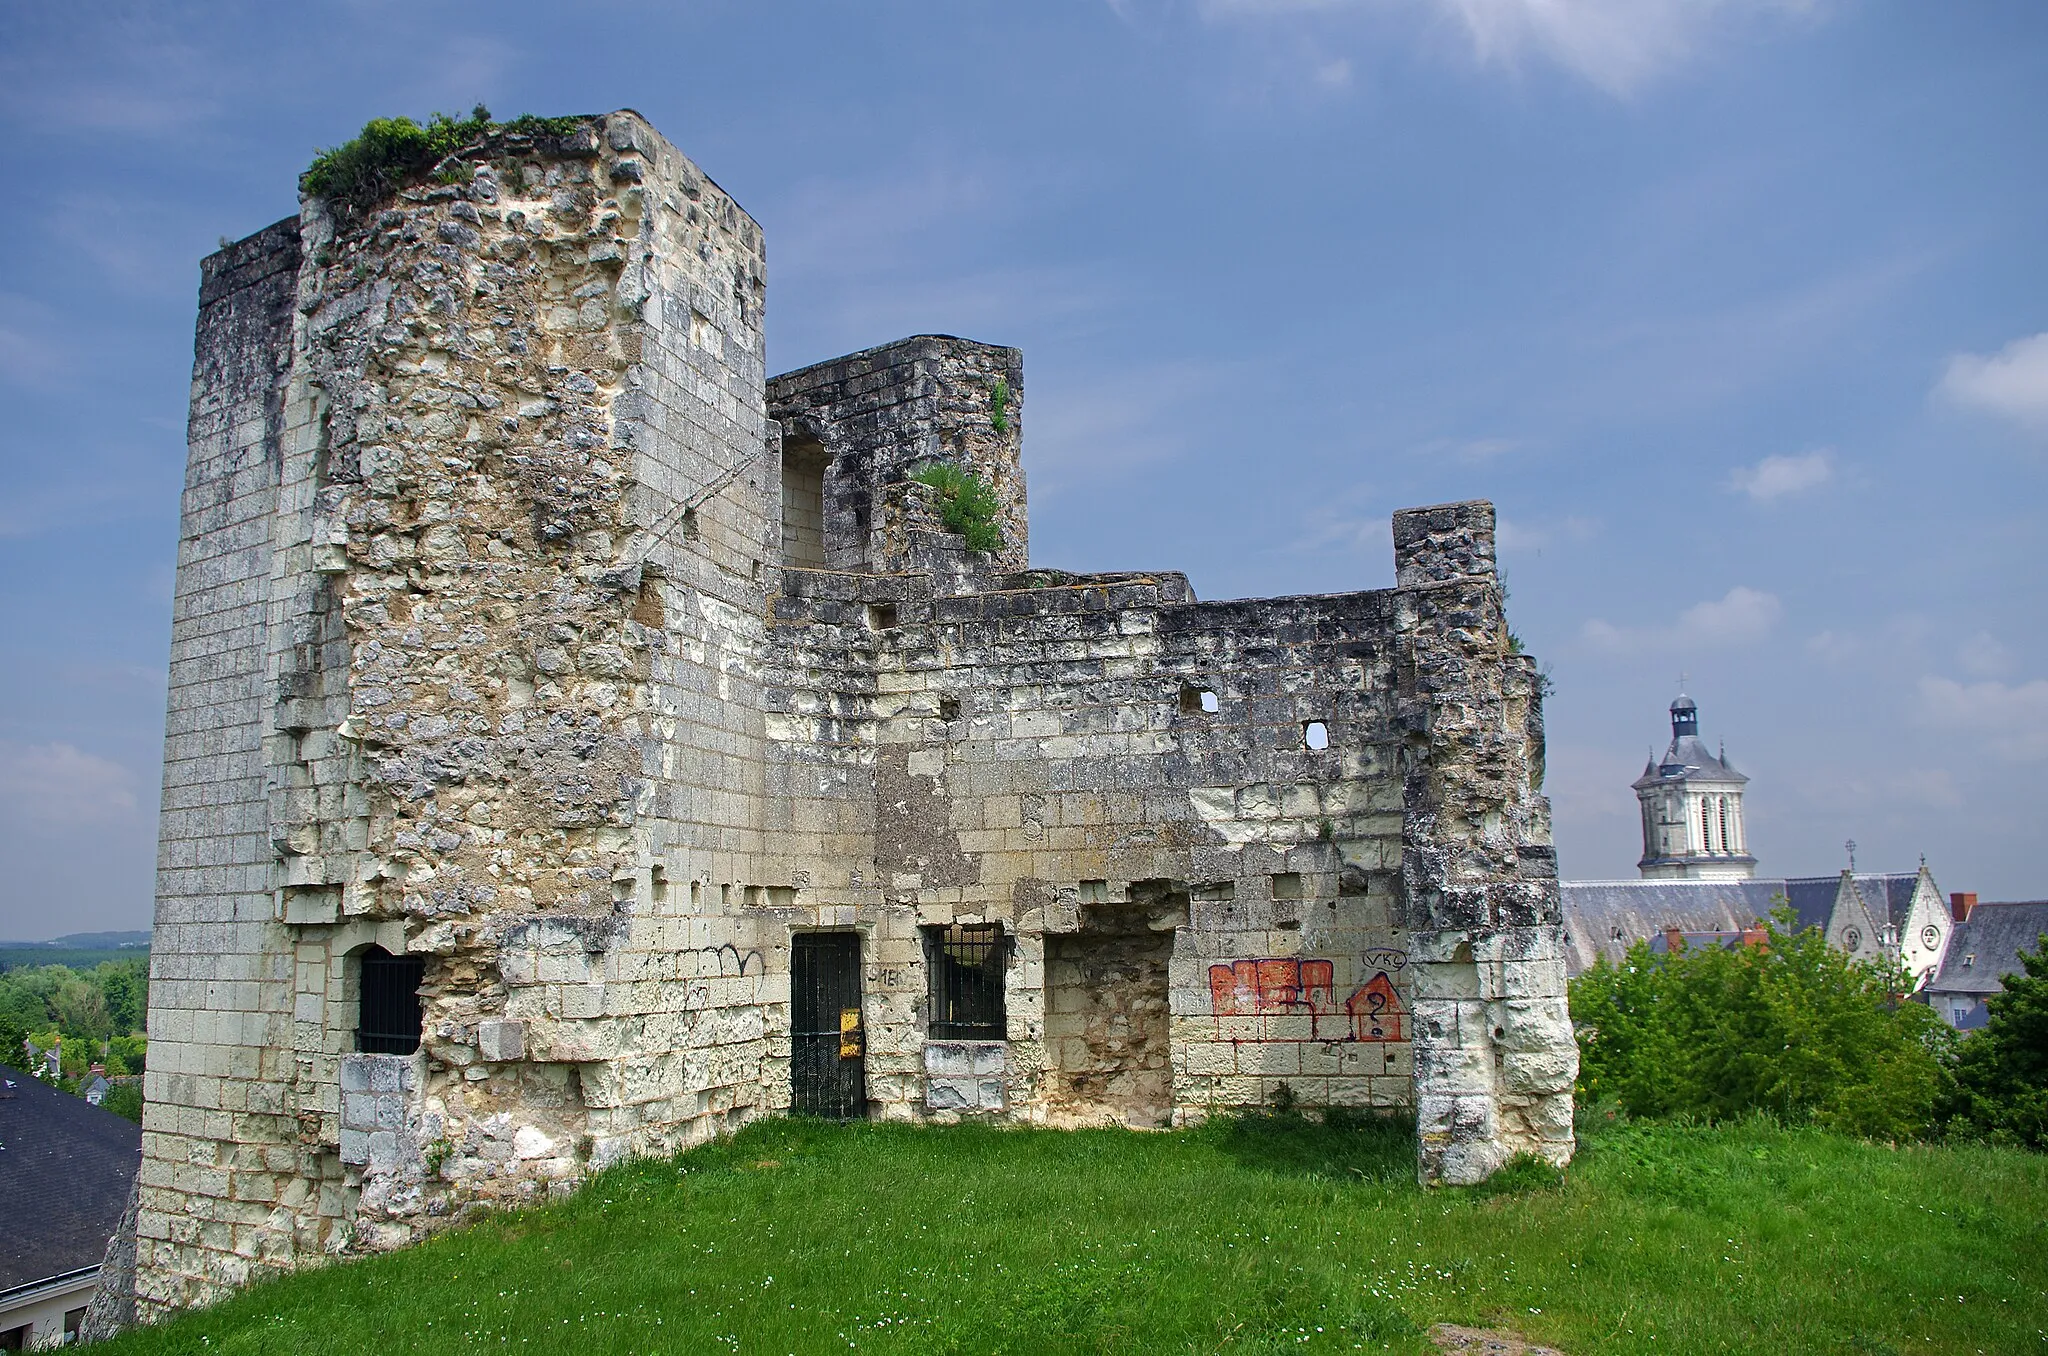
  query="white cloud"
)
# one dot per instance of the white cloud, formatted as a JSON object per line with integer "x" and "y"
{"x": 1618, "y": 45}
{"x": 59, "y": 785}
{"x": 1984, "y": 656}
{"x": 1743, "y": 616}
{"x": 2011, "y": 718}
{"x": 2011, "y": 383}
{"x": 1779, "y": 476}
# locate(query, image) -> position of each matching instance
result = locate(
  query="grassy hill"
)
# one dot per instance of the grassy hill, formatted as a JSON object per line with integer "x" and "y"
{"x": 1268, "y": 1235}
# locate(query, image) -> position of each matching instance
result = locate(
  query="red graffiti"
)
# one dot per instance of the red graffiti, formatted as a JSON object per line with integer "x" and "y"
{"x": 1375, "y": 1011}
{"x": 1286, "y": 987}
{"x": 1275, "y": 987}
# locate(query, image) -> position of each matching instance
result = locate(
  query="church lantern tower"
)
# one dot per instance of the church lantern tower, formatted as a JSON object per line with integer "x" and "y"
{"x": 1692, "y": 808}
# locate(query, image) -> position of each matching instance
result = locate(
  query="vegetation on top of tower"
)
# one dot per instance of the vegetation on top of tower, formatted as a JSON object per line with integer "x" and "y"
{"x": 966, "y": 504}
{"x": 390, "y": 153}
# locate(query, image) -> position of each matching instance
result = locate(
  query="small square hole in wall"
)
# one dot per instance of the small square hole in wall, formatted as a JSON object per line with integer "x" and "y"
{"x": 782, "y": 896}
{"x": 881, "y": 616}
{"x": 1316, "y": 735}
{"x": 1197, "y": 700}
{"x": 949, "y": 708}
{"x": 1287, "y": 885}
{"x": 1094, "y": 892}
{"x": 755, "y": 896}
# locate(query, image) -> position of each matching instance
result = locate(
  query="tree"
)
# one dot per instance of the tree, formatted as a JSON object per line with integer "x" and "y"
{"x": 2002, "y": 1071}
{"x": 1793, "y": 1028}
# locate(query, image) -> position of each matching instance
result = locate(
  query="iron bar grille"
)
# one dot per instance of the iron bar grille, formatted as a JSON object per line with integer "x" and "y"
{"x": 965, "y": 963}
{"x": 388, "y": 1016}
{"x": 827, "y": 1072}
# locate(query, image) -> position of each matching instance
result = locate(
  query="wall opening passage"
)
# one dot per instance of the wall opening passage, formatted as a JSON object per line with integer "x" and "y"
{"x": 803, "y": 502}
{"x": 388, "y": 1004}
{"x": 965, "y": 963}
{"x": 1107, "y": 1020}
{"x": 1198, "y": 700}
{"x": 1316, "y": 735}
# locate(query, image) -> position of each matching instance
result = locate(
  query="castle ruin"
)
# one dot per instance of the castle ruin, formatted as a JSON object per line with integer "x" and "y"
{"x": 581, "y": 743}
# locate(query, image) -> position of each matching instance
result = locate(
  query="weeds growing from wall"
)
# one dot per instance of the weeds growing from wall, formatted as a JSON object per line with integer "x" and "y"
{"x": 999, "y": 406}
{"x": 965, "y": 503}
{"x": 391, "y": 153}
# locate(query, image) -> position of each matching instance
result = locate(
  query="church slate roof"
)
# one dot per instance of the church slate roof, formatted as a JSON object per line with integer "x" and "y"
{"x": 1693, "y": 760}
{"x": 65, "y": 1169}
{"x": 1990, "y": 940}
{"x": 1594, "y": 911}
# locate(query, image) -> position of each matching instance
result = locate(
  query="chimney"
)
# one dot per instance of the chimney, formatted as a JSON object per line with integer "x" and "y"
{"x": 1960, "y": 904}
{"x": 1674, "y": 940}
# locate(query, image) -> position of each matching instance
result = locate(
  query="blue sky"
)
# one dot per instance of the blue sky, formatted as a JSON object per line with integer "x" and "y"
{"x": 1738, "y": 309}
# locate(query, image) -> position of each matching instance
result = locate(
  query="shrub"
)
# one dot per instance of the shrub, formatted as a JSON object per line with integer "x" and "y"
{"x": 390, "y": 153}
{"x": 2002, "y": 1070}
{"x": 1793, "y": 1029}
{"x": 965, "y": 503}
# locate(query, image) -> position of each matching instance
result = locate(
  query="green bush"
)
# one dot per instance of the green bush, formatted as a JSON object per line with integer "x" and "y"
{"x": 2002, "y": 1070}
{"x": 965, "y": 503}
{"x": 390, "y": 153}
{"x": 1792, "y": 1029}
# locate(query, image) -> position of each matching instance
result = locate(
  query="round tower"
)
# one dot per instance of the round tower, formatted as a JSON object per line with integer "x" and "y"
{"x": 1692, "y": 808}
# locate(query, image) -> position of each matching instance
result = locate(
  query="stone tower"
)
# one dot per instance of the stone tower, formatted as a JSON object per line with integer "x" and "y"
{"x": 581, "y": 743}
{"x": 1692, "y": 808}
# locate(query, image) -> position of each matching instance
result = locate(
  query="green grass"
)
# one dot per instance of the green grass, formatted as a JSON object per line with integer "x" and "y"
{"x": 1267, "y": 1235}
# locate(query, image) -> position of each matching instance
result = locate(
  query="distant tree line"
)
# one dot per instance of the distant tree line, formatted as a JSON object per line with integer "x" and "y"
{"x": 1797, "y": 1030}
{"x": 89, "y": 1016}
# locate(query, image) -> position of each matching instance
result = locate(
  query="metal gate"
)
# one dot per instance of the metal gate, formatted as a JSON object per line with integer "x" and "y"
{"x": 827, "y": 1068}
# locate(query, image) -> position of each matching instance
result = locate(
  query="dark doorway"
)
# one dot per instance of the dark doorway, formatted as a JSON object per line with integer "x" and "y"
{"x": 828, "y": 1046}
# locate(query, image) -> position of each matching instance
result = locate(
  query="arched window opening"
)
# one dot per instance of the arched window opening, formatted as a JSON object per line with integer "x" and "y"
{"x": 1706, "y": 826}
{"x": 1727, "y": 843}
{"x": 388, "y": 1010}
{"x": 803, "y": 502}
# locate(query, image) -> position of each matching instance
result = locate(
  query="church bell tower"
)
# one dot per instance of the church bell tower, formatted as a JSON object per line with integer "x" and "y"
{"x": 1692, "y": 808}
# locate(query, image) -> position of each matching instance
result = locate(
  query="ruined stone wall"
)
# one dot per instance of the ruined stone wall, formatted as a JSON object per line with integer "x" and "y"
{"x": 1495, "y": 1057}
{"x": 882, "y": 413}
{"x": 1042, "y": 756}
{"x": 486, "y": 653}
{"x": 218, "y": 1134}
{"x": 501, "y": 702}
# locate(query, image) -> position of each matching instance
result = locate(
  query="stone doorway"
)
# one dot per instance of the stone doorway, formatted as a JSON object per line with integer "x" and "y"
{"x": 1108, "y": 1031}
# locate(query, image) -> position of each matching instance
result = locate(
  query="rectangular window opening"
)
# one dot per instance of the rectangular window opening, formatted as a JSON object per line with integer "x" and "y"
{"x": 965, "y": 963}
{"x": 1287, "y": 885}
{"x": 881, "y": 616}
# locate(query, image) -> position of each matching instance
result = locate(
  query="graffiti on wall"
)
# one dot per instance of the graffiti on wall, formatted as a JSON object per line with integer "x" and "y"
{"x": 1283, "y": 987}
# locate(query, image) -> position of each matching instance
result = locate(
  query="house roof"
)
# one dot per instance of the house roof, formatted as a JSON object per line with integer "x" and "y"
{"x": 65, "y": 1169}
{"x": 1991, "y": 940}
{"x": 1596, "y": 910}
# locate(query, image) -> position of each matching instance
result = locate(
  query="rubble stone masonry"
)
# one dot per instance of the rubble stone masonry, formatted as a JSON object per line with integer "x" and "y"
{"x": 524, "y": 627}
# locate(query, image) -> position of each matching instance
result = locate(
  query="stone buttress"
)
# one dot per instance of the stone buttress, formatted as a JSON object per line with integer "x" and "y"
{"x": 642, "y": 715}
